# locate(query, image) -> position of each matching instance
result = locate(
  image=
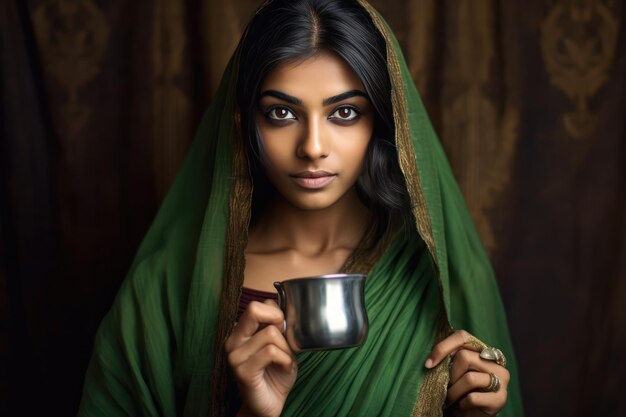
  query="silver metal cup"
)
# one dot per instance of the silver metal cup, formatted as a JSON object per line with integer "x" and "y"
{"x": 324, "y": 312}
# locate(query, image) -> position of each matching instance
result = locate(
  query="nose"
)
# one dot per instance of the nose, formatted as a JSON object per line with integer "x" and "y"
{"x": 314, "y": 144}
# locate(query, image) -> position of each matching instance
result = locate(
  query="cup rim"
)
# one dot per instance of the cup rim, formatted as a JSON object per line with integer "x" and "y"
{"x": 324, "y": 277}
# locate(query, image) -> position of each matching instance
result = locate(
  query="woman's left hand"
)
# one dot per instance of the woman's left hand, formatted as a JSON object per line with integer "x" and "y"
{"x": 470, "y": 376}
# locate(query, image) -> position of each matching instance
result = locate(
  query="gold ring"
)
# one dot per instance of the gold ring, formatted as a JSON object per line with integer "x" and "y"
{"x": 493, "y": 354}
{"x": 494, "y": 384}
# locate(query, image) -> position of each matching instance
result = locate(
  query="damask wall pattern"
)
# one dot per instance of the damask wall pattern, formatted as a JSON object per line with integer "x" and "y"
{"x": 479, "y": 132}
{"x": 72, "y": 37}
{"x": 578, "y": 42}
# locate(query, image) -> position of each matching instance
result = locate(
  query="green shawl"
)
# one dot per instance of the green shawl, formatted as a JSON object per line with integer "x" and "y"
{"x": 155, "y": 353}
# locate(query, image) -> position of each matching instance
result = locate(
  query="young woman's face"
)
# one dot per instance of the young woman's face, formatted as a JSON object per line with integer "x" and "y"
{"x": 315, "y": 122}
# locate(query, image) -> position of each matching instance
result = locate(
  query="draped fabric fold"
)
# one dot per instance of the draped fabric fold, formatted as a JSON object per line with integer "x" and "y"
{"x": 382, "y": 377}
{"x": 154, "y": 351}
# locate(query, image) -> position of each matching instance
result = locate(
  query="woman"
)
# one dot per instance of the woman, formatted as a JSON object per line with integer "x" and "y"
{"x": 317, "y": 112}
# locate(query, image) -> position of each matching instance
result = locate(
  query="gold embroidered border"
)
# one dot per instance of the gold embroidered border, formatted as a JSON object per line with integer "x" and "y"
{"x": 434, "y": 386}
{"x": 406, "y": 153}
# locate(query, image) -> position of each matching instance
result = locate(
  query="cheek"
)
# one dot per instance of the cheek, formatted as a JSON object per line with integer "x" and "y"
{"x": 276, "y": 144}
{"x": 354, "y": 146}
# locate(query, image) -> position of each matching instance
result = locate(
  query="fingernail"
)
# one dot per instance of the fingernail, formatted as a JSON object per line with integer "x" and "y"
{"x": 429, "y": 363}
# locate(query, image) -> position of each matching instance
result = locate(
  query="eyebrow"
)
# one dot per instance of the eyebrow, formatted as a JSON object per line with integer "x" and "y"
{"x": 343, "y": 96}
{"x": 326, "y": 102}
{"x": 281, "y": 96}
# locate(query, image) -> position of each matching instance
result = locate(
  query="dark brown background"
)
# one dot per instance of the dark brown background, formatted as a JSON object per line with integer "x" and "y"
{"x": 100, "y": 99}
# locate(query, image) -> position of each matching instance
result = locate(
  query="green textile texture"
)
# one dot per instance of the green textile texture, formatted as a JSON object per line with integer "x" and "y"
{"x": 153, "y": 353}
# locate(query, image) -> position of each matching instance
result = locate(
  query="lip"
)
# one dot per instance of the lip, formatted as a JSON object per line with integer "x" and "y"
{"x": 313, "y": 180}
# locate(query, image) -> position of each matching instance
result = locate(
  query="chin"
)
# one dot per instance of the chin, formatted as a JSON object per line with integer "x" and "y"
{"x": 312, "y": 202}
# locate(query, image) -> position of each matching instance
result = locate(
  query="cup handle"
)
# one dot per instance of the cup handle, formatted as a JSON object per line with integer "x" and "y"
{"x": 281, "y": 295}
{"x": 281, "y": 302}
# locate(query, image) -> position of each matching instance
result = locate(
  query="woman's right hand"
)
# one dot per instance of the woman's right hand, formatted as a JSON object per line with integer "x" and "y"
{"x": 263, "y": 364}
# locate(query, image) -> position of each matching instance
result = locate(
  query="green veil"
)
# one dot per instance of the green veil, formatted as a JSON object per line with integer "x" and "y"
{"x": 155, "y": 352}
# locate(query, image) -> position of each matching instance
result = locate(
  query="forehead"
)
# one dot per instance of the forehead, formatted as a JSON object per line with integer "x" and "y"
{"x": 324, "y": 74}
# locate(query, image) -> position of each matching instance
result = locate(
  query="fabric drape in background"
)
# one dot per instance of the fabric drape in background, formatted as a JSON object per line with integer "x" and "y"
{"x": 100, "y": 100}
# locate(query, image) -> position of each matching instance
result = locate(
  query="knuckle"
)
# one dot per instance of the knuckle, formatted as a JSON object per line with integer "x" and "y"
{"x": 463, "y": 335}
{"x": 271, "y": 350}
{"x": 472, "y": 399}
{"x": 271, "y": 303}
{"x": 231, "y": 359}
{"x": 463, "y": 355}
{"x": 254, "y": 307}
{"x": 472, "y": 378}
{"x": 506, "y": 376}
{"x": 273, "y": 332}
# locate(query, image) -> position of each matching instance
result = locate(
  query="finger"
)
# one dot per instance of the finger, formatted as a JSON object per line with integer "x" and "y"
{"x": 470, "y": 381}
{"x": 256, "y": 315}
{"x": 488, "y": 403}
{"x": 449, "y": 345}
{"x": 271, "y": 302}
{"x": 257, "y": 363}
{"x": 270, "y": 335}
{"x": 466, "y": 360}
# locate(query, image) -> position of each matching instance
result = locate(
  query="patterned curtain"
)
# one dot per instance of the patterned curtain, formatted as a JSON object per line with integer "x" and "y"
{"x": 100, "y": 99}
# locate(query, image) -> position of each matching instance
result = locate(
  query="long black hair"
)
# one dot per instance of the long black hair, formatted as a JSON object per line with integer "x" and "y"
{"x": 288, "y": 30}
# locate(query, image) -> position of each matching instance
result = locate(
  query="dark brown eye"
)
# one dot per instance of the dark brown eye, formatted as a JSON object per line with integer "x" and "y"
{"x": 280, "y": 113}
{"x": 345, "y": 114}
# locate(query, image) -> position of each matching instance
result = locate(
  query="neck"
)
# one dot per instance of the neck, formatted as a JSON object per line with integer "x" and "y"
{"x": 283, "y": 225}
